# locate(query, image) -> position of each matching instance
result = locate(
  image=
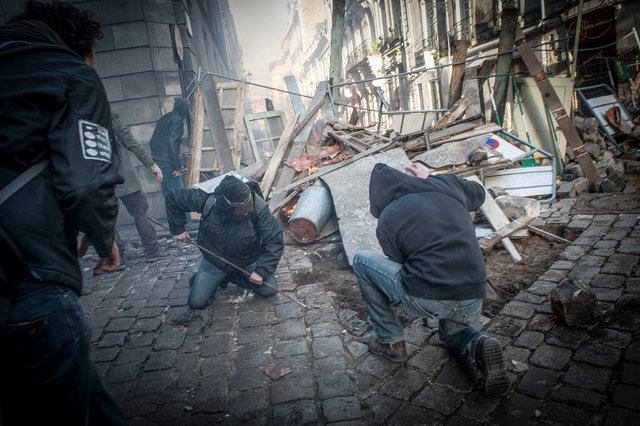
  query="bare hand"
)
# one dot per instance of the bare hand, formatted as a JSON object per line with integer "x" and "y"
{"x": 156, "y": 171}
{"x": 177, "y": 173}
{"x": 83, "y": 246}
{"x": 109, "y": 263}
{"x": 184, "y": 237}
{"x": 255, "y": 278}
{"x": 418, "y": 169}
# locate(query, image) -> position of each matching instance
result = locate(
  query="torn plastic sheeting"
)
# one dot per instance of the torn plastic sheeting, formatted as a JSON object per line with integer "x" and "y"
{"x": 305, "y": 161}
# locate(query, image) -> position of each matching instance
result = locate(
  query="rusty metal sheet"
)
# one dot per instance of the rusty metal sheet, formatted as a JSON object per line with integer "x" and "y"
{"x": 350, "y": 192}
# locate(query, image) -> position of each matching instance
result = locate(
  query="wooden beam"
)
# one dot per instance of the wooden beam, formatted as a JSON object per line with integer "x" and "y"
{"x": 503, "y": 65}
{"x": 195, "y": 139}
{"x": 551, "y": 99}
{"x": 457, "y": 72}
{"x": 275, "y": 160}
{"x": 492, "y": 239}
{"x": 337, "y": 31}
{"x": 216, "y": 124}
{"x": 497, "y": 219}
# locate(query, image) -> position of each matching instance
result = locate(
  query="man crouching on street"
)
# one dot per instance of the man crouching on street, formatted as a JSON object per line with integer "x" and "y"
{"x": 236, "y": 225}
{"x": 433, "y": 266}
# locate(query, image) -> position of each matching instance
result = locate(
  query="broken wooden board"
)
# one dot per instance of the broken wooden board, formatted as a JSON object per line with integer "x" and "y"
{"x": 275, "y": 160}
{"x": 360, "y": 141}
{"x": 453, "y": 153}
{"x": 350, "y": 192}
{"x": 454, "y": 113}
{"x": 451, "y": 134}
{"x": 497, "y": 219}
{"x": 491, "y": 240}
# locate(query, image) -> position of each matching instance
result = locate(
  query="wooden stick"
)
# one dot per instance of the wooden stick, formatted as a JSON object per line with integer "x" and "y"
{"x": 547, "y": 234}
{"x": 504, "y": 231}
{"x": 230, "y": 264}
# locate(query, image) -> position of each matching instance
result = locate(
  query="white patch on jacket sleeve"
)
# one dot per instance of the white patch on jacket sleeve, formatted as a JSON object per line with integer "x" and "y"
{"x": 94, "y": 140}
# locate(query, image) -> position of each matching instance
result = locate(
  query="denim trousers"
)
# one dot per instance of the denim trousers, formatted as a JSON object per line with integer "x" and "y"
{"x": 46, "y": 375}
{"x": 137, "y": 206}
{"x": 382, "y": 289}
{"x": 170, "y": 182}
{"x": 209, "y": 277}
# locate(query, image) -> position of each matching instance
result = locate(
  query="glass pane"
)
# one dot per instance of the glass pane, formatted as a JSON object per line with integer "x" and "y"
{"x": 275, "y": 126}
{"x": 259, "y": 129}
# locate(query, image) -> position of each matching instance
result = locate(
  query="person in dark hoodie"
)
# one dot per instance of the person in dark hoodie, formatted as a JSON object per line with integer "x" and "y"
{"x": 57, "y": 149}
{"x": 433, "y": 266}
{"x": 165, "y": 145}
{"x": 236, "y": 224}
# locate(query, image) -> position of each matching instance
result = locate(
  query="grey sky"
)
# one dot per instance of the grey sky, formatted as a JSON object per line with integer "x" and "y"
{"x": 261, "y": 25}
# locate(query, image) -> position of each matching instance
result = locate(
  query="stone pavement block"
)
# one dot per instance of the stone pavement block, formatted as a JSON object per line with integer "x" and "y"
{"x": 607, "y": 294}
{"x": 112, "y": 339}
{"x": 584, "y": 273}
{"x": 357, "y": 349}
{"x": 542, "y": 323}
{"x": 169, "y": 339}
{"x": 326, "y": 329}
{"x": 525, "y": 296}
{"x": 519, "y": 309}
{"x": 151, "y": 383}
{"x": 542, "y": 288}
{"x": 552, "y": 357}
{"x": 408, "y": 414}
{"x": 288, "y": 310}
{"x": 160, "y": 360}
{"x": 325, "y": 314}
{"x": 537, "y": 382}
{"x": 458, "y": 378}
{"x": 150, "y": 312}
{"x": 620, "y": 416}
{"x": 565, "y": 337}
{"x": 611, "y": 337}
{"x": 376, "y": 365}
{"x": 111, "y": 302}
{"x": 529, "y": 339}
{"x": 378, "y": 407}
{"x": 554, "y": 413}
{"x": 632, "y": 285}
{"x": 329, "y": 365}
{"x": 607, "y": 281}
{"x": 341, "y": 408}
{"x": 517, "y": 410}
{"x": 516, "y": 358}
{"x": 244, "y": 379}
{"x": 147, "y": 324}
{"x": 626, "y": 396}
{"x": 585, "y": 241}
{"x": 289, "y": 329}
{"x": 597, "y": 354}
{"x": 333, "y": 385}
{"x": 596, "y": 230}
{"x": 102, "y": 355}
{"x": 132, "y": 355}
{"x": 140, "y": 407}
{"x": 573, "y": 252}
{"x": 553, "y": 275}
{"x": 300, "y": 366}
{"x": 218, "y": 326}
{"x": 214, "y": 387}
{"x": 587, "y": 377}
{"x": 440, "y": 399}
{"x": 251, "y": 355}
{"x": 583, "y": 398}
{"x": 478, "y": 406}
{"x": 616, "y": 234}
{"x": 403, "y": 383}
{"x": 291, "y": 389}
{"x": 630, "y": 373}
{"x": 429, "y": 359}
{"x": 290, "y": 348}
{"x": 139, "y": 340}
{"x": 122, "y": 373}
{"x": 416, "y": 333}
{"x": 100, "y": 317}
{"x": 252, "y": 319}
{"x": 295, "y": 413}
{"x": 215, "y": 365}
{"x": 591, "y": 260}
{"x": 327, "y": 346}
{"x": 252, "y": 334}
{"x": 318, "y": 300}
{"x": 563, "y": 264}
{"x": 506, "y": 326}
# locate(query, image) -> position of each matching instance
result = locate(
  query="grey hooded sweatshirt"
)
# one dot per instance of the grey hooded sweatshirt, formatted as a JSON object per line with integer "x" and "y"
{"x": 424, "y": 224}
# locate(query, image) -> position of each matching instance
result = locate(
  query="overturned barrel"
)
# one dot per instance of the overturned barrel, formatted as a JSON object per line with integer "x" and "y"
{"x": 311, "y": 214}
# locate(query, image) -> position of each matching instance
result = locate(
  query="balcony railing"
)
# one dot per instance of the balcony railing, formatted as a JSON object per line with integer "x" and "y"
{"x": 360, "y": 53}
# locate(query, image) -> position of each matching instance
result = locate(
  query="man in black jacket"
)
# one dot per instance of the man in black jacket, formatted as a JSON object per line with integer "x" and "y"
{"x": 239, "y": 228}
{"x": 433, "y": 266}
{"x": 53, "y": 108}
{"x": 165, "y": 145}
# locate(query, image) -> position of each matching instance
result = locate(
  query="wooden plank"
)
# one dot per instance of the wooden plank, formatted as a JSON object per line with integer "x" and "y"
{"x": 195, "y": 138}
{"x": 238, "y": 112}
{"x": 458, "y": 132}
{"x": 275, "y": 160}
{"x": 216, "y": 123}
{"x": 457, "y": 71}
{"x": 492, "y": 239}
{"x": 455, "y": 112}
{"x": 552, "y": 100}
{"x": 497, "y": 219}
{"x": 328, "y": 169}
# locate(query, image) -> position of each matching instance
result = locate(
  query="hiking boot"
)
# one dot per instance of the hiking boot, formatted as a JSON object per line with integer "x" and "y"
{"x": 160, "y": 254}
{"x": 396, "y": 352}
{"x": 489, "y": 358}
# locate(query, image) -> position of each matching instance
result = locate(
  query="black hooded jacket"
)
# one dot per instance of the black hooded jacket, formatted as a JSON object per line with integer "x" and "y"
{"x": 53, "y": 105}
{"x": 165, "y": 141}
{"x": 424, "y": 224}
{"x": 241, "y": 240}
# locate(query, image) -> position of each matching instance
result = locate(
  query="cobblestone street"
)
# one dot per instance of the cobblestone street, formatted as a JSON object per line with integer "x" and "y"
{"x": 168, "y": 365}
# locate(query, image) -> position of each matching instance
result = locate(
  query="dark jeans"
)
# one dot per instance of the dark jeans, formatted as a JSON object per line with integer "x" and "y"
{"x": 170, "y": 182}
{"x": 137, "y": 206}
{"x": 46, "y": 375}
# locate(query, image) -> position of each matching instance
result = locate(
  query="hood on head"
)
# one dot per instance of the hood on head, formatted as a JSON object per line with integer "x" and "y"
{"x": 232, "y": 193}
{"x": 181, "y": 106}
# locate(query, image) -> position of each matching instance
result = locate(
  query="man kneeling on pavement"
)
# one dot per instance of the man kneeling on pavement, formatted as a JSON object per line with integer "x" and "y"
{"x": 433, "y": 266}
{"x": 236, "y": 225}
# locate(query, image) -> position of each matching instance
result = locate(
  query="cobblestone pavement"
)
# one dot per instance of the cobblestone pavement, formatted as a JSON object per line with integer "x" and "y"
{"x": 169, "y": 365}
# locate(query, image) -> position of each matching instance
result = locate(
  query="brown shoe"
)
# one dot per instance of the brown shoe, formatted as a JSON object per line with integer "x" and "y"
{"x": 396, "y": 352}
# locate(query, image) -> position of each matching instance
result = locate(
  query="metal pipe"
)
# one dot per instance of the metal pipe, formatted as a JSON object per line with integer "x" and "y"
{"x": 311, "y": 214}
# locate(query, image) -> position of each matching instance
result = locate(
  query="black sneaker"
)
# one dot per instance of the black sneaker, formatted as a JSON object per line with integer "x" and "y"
{"x": 489, "y": 358}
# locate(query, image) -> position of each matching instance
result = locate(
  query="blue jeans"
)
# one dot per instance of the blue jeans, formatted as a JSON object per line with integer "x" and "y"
{"x": 170, "y": 182}
{"x": 46, "y": 375}
{"x": 382, "y": 288}
{"x": 209, "y": 277}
